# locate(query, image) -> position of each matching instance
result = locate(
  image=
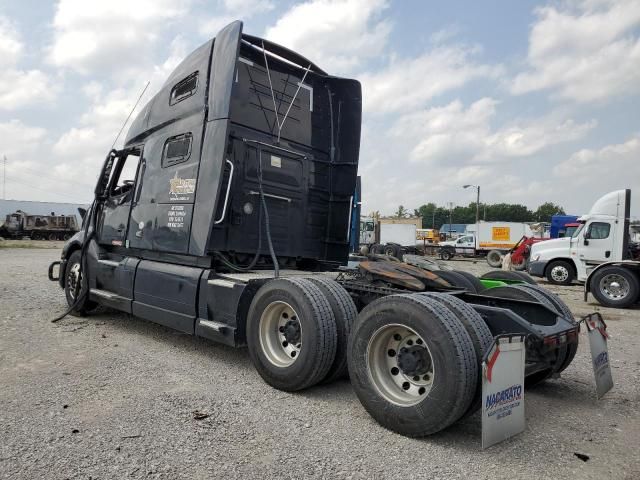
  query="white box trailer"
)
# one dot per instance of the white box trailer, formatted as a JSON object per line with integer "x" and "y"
{"x": 500, "y": 235}
{"x": 400, "y": 233}
{"x": 489, "y": 238}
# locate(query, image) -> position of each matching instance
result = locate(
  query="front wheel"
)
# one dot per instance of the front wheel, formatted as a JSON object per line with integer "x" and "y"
{"x": 560, "y": 272}
{"x": 615, "y": 287}
{"x": 75, "y": 288}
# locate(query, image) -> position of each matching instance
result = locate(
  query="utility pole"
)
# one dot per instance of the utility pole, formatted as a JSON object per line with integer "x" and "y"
{"x": 477, "y": 187}
{"x": 450, "y": 204}
{"x": 4, "y": 179}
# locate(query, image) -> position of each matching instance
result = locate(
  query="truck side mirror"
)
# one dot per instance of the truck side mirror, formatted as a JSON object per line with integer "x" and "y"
{"x": 587, "y": 235}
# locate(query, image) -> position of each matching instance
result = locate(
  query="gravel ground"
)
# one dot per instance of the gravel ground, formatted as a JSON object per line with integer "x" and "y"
{"x": 109, "y": 396}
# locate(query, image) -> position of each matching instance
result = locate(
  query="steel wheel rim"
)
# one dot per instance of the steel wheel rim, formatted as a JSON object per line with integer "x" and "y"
{"x": 73, "y": 277}
{"x": 615, "y": 286}
{"x": 559, "y": 273}
{"x": 280, "y": 334}
{"x": 384, "y": 354}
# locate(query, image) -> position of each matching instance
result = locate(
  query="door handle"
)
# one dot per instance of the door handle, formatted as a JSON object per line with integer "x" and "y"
{"x": 607, "y": 254}
{"x": 226, "y": 197}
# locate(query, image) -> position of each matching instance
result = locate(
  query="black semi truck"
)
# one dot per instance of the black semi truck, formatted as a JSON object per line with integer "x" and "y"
{"x": 226, "y": 215}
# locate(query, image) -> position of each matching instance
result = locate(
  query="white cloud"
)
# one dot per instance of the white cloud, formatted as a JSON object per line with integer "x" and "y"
{"x": 621, "y": 161}
{"x": 455, "y": 135}
{"x": 337, "y": 35}
{"x": 93, "y": 36}
{"x": 19, "y": 88}
{"x": 584, "y": 50}
{"x": 591, "y": 173}
{"x": 410, "y": 83}
{"x": 10, "y": 44}
{"x": 18, "y": 139}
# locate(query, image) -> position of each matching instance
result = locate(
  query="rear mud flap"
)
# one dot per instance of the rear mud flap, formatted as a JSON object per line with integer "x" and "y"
{"x": 503, "y": 389}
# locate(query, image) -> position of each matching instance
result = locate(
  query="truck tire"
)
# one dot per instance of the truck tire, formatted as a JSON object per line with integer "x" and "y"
{"x": 477, "y": 284}
{"x": 345, "y": 313}
{"x": 563, "y": 310}
{"x": 456, "y": 279}
{"x": 291, "y": 334}
{"x": 494, "y": 258}
{"x": 560, "y": 272}
{"x": 615, "y": 287}
{"x": 412, "y": 364}
{"x": 72, "y": 275}
{"x": 478, "y": 332}
{"x": 446, "y": 253}
{"x": 520, "y": 292}
{"x": 510, "y": 276}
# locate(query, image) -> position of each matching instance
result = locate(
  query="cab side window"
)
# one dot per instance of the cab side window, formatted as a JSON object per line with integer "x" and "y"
{"x": 599, "y": 230}
{"x": 124, "y": 173}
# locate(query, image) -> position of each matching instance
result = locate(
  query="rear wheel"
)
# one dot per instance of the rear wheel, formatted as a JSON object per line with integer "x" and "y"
{"x": 393, "y": 251}
{"x": 446, "y": 253}
{"x": 345, "y": 313}
{"x": 412, "y": 364}
{"x": 615, "y": 287}
{"x": 291, "y": 333}
{"x": 494, "y": 258}
{"x": 478, "y": 332}
{"x": 560, "y": 272}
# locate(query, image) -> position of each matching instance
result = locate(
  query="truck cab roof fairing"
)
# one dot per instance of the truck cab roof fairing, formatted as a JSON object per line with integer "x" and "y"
{"x": 253, "y": 99}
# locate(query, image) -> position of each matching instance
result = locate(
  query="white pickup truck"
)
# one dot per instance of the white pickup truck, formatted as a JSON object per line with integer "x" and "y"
{"x": 598, "y": 253}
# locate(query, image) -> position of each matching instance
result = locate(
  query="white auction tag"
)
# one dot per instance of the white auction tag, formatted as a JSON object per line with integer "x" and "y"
{"x": 599, "y": 353}
{"x": 503, "y": 390}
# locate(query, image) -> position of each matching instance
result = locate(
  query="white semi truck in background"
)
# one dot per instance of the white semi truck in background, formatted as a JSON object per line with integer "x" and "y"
{"x": 490, "y": 239}
{"x": 599, "y": 253}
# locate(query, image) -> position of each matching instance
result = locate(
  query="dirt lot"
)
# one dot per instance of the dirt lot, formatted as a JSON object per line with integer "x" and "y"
{"x": 110, "y": 396}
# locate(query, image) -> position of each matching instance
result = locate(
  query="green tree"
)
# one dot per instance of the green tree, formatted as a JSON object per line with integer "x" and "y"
{"x": 546, "y": 211}
{"x": 401, "y": 212}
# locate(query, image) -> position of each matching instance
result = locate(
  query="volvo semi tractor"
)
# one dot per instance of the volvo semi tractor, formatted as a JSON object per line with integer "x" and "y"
{"x": 599, "y": 253}
{"x": 233, "y": 225}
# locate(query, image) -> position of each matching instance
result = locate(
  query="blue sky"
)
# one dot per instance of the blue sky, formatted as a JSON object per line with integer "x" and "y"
{"x": 534, "y": 101}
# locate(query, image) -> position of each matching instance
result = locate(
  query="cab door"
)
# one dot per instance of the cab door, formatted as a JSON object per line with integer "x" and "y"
{"x": 114, "y": 212}
{"x": 464, "y": 245}
{"x": 596, "y": 244}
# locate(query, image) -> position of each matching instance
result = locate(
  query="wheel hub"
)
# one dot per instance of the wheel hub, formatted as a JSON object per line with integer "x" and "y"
{"x": 559, "y": 274}
{"x": 614, "y": 286}
{"x": 291, "y": 331}
{"x": 400, "y": 365}
{"x": 414, "y": 360}
{"x": 280, "y": 334}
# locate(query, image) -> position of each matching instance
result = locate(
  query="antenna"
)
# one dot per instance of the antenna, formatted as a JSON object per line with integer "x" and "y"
{"x": 130, "y": 113}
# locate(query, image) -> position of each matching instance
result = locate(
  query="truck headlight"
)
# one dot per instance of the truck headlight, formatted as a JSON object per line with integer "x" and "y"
{"x": 536, "y": 257}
